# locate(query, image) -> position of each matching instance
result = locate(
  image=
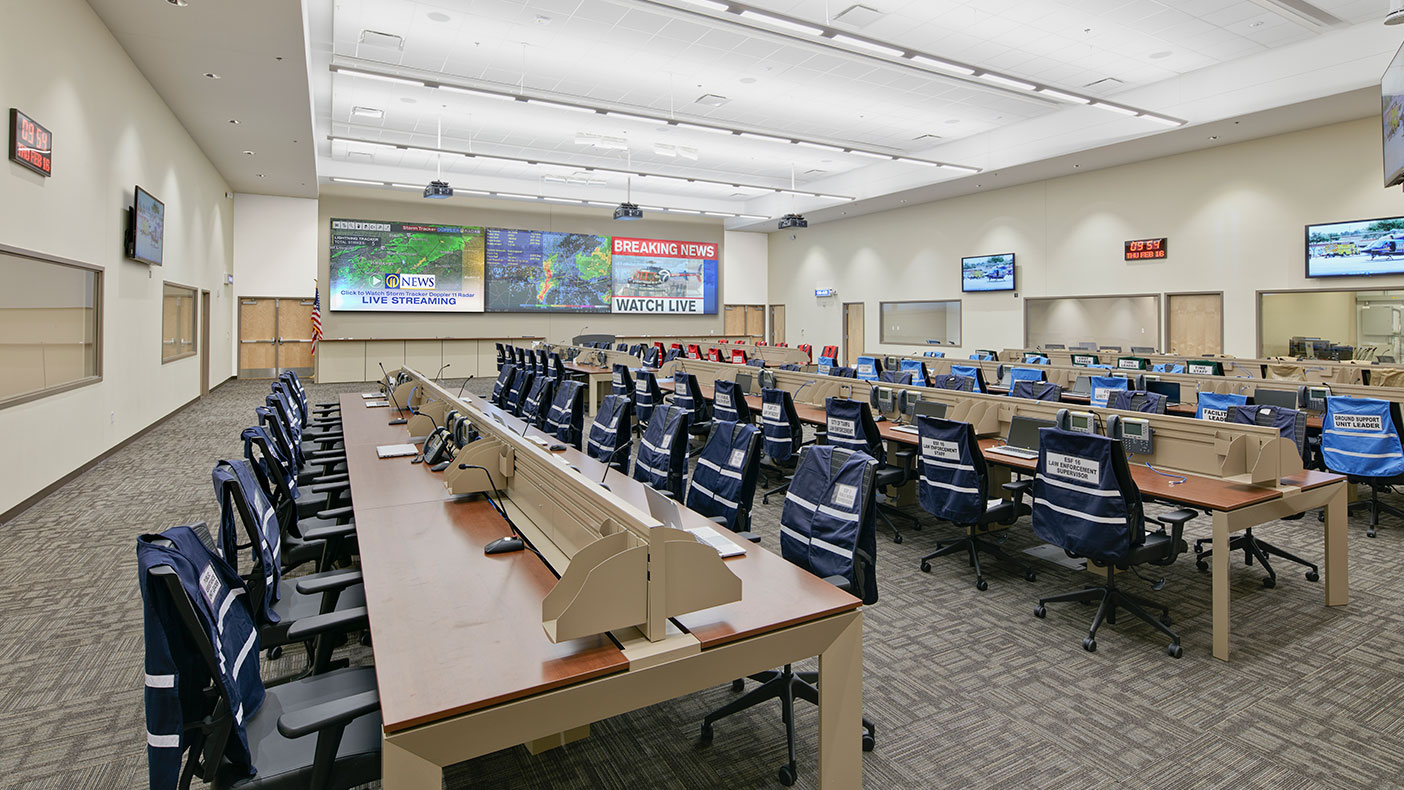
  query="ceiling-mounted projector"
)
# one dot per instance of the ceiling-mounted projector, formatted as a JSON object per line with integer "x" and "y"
{"x": 438, "y": 190}
{"x": 628, "y": 211}
{"x": 793, "y": 221}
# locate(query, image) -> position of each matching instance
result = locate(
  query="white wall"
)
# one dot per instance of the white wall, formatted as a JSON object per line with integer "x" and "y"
{"x": 275, "y": 248}
{"x": 745, "y": 268}
{"x": 1234, "y": 216}
{"x": 111, "y": 131}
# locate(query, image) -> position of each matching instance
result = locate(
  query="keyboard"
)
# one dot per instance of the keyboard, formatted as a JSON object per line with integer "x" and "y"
{"x": 1017, "y": 452}
{"x": 912, "y": 429}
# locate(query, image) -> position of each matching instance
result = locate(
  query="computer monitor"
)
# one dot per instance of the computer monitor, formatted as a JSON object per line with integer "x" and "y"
{"x": 1170, "y": 389}
{"x": 931, "y": 408}
{"x": 743, "y": 383}
{"x": 1285, "y": 399}
{"x": 1023, "y": 431}
{"x": 1083, "y": 385}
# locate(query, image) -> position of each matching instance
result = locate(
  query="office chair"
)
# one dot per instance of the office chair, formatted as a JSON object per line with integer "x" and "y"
{"x": 729, "y": 402}
{"x": 694, "y": 351}
{"x": 850, "y": 425}
{"x": 714, "y": 355}
{"x": 1360, "y": 439}
{"x": 920, "y": 376}
{"x": 843, "y": 372}
{"x": 501, "y": 356}
{"x": 321, "y": 413}
{"x": 1023, "y": 374}
{"x": 953, "y": 485}
{"x": 829, "y": 351}
{"x": 503, "y": 385}
{"x": 937, "y": 354}
{"x": 521, "y": 387}
{"x": 903, "y": 377}
{"x": 756, "y": 362}
{"x": 647, "y": 396}
{"x": 838, "y": 546}
{"x": 868, "y": 368}
{"x": 738, "y": 356}
{"x": 566, "y": 418}
{"x": 784, "y": 435}
{"x": 622, "y": 382}
{"x": 672, "y": 354}
{"x": 1291, "y": 424}
{"x": 1035, "y": 359}
{"x": 537, "y": 404}
{"x": 661, "y": 460}
{"x": 277, "y": 606}
{"x": 1137, "y": 400}
{"x": 204, "y": 693}
{"x": 974, "y": 372}
{"x": 723, "y": 484}
{"x": 1090, "y": 507}
{"x": 1215, "y": 405}
{"x": 652, "y": 357}
{"x": 825, "y": 365}
{"x": 519, "y": 356}
{"x": 954, "y": 381}
{"x": 315, "y": 527}
{"x": 687, "y": 395}
{"x": 621, "y": 347}
{"x": 1087, "y": 344}
{"x": 1104, "y": 386}
{"x": 1036, "y": 390}
{"x": 612, "y": 432}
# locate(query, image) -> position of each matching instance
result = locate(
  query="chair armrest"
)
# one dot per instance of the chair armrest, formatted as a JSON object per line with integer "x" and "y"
{"x": 1176, "y": 520}
{"x": 717, "y": 520}
{"x": 352, "y": 619}
{"x": 330, "y": 531}
{"x": 314, "y": 583}
{"x": 328, "y": 405}
{"x": 1018, "y": 489}
{"x": 336, "y": 512}
{"x": 324, "y": 438}
{"x": 748, "y": 535}
{"x": 329, "y": 479}
{"x": 335, "y": 713}
{"x": 840, "y": 582}
{"x": 905, "y": 456}
{"x": 330, "y": 487}
{"x": 321, "y": 455}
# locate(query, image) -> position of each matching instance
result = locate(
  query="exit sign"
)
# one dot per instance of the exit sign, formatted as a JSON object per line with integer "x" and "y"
{"x": 31, "y": 144}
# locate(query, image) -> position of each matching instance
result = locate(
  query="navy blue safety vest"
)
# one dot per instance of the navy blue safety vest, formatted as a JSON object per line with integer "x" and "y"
{"x": 843, "y": 418}
{"x": 896, "y": 377}
{"x": 954, "y": 381}
{"x": 663, "y": 450}
{"x": 868, "y": 368}
{"x": 782, "y": 439}
{"x": 827, "y": 522}
{"x": 647, "y": 395}
{"x": 268, "y": 418}
{"x": 953, "y": 480}
{"x": 1078, "y": 504}
{"x": 1024, "y": 374}
{"x": 521, "y": 387}
{"x": 566, "y": 417}
{"x": 612, "y": 432}
{"x": 718, "y": 481}
{"x": 538, "y": 401}
{"x": 917, "y": 368}
{"x": 1036, "y": 390}
{"x": 1215, "y": 406}
{"x": 729, "y": 403}
{"x": 271, "y": 456}
{"x": 650, "y": 356}
{"x": 235, "y": 486}
{"x": 555, "y": 370}
{"x": 504, "y": 382}
{"x": 177, "y": 675}
{"x": 295, "y": 390}
{"x": 1358, "y": 437}
{"x": 672, "y": 354}
{"x": 1137, "y": 400}
{"x": 296, "y": 410}
{"x": 972, "y": 371}
{"x": 1104, "y": 386}
{"x": 684, "y": 385}
{"x": 622, "y": 383}
{"x": 287, "y": 413}
{"x": 1283, "y": 419}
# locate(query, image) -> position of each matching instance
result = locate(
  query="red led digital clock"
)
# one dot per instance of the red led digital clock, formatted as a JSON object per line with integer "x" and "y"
{"x": 1147, "y": 249}
{"x": 31, "y": 144}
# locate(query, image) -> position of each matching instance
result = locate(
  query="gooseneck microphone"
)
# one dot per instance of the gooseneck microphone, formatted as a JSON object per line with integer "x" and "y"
{"x": 390, "y": 390}
{"x": 608, "y": 463}
{"x": 439, "y": 377}
{"x": 465, "y": 385}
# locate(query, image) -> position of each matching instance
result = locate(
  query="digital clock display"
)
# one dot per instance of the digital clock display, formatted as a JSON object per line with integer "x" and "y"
{"x": 1147, "y": 249}
{"x": 31, "y": 144}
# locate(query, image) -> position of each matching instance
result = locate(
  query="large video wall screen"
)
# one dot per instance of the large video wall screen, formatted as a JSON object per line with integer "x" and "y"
{"x": 418, "y": 267}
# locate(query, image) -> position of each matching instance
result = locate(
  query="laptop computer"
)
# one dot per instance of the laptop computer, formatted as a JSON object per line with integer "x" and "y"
{"x": 1170, "y": 389}
{"x": 923, "y": 408}
{"x": 1083, "y": 385}
{"x": 666, "y": 510}
{"x": 1022, "y": 441}
{"x": 743, "y": 383}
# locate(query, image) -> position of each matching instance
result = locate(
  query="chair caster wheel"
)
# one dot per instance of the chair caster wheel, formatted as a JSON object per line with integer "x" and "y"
{"x": 1201, "y": 565}
{"x": 868, "y": 742}
{"x": 1269, "y": 582}
{"x": 925, "y": 566}
{"x": 1174, "y": 650}
{"x": 1040, "y": 612}
{"x": 738, "y": 685}
{"x": 1198, "y": 549}
{"x": 982, "y": 585}
{"x": 1370, "y": 533}
{"x": 365, "y": 639}
{"x": 1030, "y": 576}
{"x": 275, "y": 653}
{"x": 1313, "y": 576}
{"x": 787, "y": 775}
{"x": 706, "y": 735}
{"x": 896, "y": 538}
{"x": 1089, "y": 644}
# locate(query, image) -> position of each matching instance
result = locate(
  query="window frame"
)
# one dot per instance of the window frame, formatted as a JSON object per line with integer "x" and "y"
{"x": 194, "y": 322}
{"x": 882, "y": 323}
{"x": 98, "y": 284}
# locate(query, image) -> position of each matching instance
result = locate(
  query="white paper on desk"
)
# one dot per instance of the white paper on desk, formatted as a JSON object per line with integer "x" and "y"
{"x": 371, "y": 395}
{"x": 377, "y": 404}
{"x": 712, "y": 538}
{"x": 396, "y": 450}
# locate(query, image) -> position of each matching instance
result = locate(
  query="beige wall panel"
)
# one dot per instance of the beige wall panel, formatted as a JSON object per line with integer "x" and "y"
{"x": 424, "y": 356}
{"x": 462, "y": 355}
{"x": 337, "y": 362}
{"x": 390, "y": 353}
{"x": 1196, "y": 324}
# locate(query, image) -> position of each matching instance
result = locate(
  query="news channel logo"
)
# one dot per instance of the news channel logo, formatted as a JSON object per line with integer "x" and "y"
{"x": 403, "y": 282}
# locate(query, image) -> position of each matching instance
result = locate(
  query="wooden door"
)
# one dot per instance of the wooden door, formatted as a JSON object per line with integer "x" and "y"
{"x": 258, "y": 338}
{"x": 204, "y": 343}
{"x": 777, "y": 324}
{"x": 1195, "y": 323}
{"x": 852, "y": 331}
{"x": 735, "y": 320}
{"x": 755, "y": 321}
{"x": 295, "y": 336}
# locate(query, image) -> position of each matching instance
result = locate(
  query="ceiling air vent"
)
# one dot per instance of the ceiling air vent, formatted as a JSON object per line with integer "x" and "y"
{"x": 378, "y": 40}
{"x": 711, "y": 100}
{"x": 858, "y": 16}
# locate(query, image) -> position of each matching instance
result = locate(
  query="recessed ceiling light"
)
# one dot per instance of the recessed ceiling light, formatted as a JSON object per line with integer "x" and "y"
{"x": 1164, "y": 53}
{"x": 1259, "y": 23}
{"x": 210, "y": 75}
{"x": 438, "y": 16}
{"x": 248, "y": 153}
{"x": 367, "y": 112}
{"x": 542, "y": 19}
{"x": 178, "y": 3}
{"x": 234, "y": 121}
{"x": 260, "y": 175}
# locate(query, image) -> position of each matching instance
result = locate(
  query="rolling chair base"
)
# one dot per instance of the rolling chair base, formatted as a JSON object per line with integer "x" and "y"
{"x": 1253, "y": 548}
{"x": 785, "y": 685}
{"x": 973, "y": 545}
{"x": 887, "y": 512}
{"x": 1375, "y": 506}
{"x": 1111, "y": 599}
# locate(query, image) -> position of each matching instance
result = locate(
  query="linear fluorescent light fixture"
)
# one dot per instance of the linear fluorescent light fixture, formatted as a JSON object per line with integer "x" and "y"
{"x": 555, "y": 105}
{"x": 767, "y": 137}
{"x": 361, "y": 181}
{"x": 1160, "y": 119}
{"x": 476, "y": 92}
{"x": 369, "y": 75}
{"x": 782, "y": 23}
{"x": 631, "y": 117}
{"x": 819, "y": 146}
{"x": 871, "y": 46}
{"x": 1057, "y": 94}
{"x": 710, "y": 5}
{"x": 515, "y": 195}
{"x": 919, "y": 162}
{"x": 944, "y": 65}
{"x": 870, "y": 154}
{"x": 1119, "y": 110}
{"x": 697, "y": 127}
{"x": 1007, "y": 82}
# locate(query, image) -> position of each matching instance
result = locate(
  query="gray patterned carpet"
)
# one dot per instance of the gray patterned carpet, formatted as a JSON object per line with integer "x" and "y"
{"x": 967, "y": 688}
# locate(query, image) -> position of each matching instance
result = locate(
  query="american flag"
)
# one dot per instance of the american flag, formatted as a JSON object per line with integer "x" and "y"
{"x": 316, "y": 318}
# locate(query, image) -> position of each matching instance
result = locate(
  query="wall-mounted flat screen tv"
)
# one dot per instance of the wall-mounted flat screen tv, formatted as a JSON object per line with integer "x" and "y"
{"x": 1358, "y": 248}
{"x": 987, "y": 273}
{"x": 1392, "y": 119}
{"x": 146, "y": 238}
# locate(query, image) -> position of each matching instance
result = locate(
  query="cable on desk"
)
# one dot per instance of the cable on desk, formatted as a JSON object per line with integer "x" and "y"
{"x": 1177, "y": 479}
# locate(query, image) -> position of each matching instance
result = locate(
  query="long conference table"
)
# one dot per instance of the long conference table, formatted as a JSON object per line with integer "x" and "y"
{"x": 1233, "y": 507}
{"x": 465, "y": 668}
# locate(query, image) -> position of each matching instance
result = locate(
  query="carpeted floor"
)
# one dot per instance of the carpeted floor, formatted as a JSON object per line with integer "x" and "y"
{"x": 967, "y": 688}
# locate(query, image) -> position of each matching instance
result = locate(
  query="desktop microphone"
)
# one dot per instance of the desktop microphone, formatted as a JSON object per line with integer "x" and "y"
{"x": 439, "y": 377}
{"x": 515, "y": 542}
{"x": 608, "y": 463}
{"x": 465, "y": 384}
{"x": 391, "y": 392}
